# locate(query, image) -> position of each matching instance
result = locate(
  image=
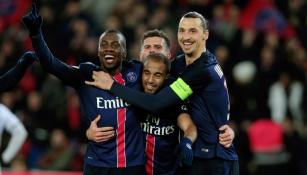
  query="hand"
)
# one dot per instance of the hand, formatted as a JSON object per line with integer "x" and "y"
{"x": 226, "y": 136}
{"x": 97, "y": 134}
{"x": 33, "y": 21}
{"x": 101, "y": 79}
{"x": 29, "y": 57}
{"x": 185, "y": 152}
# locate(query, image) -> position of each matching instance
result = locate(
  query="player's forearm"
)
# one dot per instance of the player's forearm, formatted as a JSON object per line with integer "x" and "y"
{"x": 44, "y": 54}
{"x": 188, "y": 127}
{"x": 153, "y": 103}
{"x": 191, "y": 133}
{"x": 14, "y": 75}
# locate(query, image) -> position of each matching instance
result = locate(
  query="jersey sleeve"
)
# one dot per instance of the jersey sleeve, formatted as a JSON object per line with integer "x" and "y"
{"x": 191, "y": 80}
{"x": 68, "y": 74}
{"x": 150, "y": 102}
{"x": 14, "y": 75}
{"x": 196, "y": 76}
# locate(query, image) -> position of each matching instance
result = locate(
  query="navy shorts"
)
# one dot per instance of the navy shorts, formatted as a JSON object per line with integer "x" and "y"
{"x": 214, "y": 166}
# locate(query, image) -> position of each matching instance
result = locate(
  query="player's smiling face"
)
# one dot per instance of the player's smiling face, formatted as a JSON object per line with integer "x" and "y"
{"x": 191, "y": 36}
{"x": 153, "y": 76}
{"x": 111, "y": 51}
{"x": 154, "y": 44}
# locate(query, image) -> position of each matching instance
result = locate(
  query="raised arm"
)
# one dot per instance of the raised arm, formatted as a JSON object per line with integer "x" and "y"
{"x": 13, "y": 76}
{"x": 70, "y": 75}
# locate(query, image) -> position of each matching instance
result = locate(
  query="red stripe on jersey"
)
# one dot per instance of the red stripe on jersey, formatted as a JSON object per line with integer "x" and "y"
{"x": 121, "y": 154}
{"x": 121, "y": 118}
{"x": 150, "y": 153}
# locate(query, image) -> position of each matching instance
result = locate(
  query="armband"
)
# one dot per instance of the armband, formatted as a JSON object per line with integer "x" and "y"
{"x": 182, "y": 89}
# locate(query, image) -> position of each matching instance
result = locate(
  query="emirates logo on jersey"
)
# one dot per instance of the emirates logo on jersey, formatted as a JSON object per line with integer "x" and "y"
{"x": 157, "y": 130}
{"x": 111, "y": 103}
{"x": 131, "y": 77}
{"x": 152, "y": 126}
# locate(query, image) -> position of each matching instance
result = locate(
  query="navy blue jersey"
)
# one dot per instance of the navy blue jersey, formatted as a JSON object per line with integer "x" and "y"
{"x": 209, "y": 101}
{"x": 209, "y": 104}
{"x": 127, "y": 148}
{"x": 162, "y": 136}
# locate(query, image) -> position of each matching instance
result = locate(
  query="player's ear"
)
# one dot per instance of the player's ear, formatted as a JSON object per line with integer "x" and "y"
{"x": 169, "y": 55}
{"x": 205, "y": 35}
{"x": 124, "y": 53}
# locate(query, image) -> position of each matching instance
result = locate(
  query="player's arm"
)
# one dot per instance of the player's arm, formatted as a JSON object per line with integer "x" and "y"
{"x": 186, "y": 124}
{"x": 184, "y": 148}
{"x": 191, "y": 80}
{"x": 68, "y": 74}
{"x": 99, "y": 134}
{"x": 13, "y": 76}
{"x": 17, "y": 131}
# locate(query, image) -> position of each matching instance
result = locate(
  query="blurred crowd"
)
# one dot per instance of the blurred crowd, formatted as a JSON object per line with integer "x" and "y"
{"x": 260, "y": 44}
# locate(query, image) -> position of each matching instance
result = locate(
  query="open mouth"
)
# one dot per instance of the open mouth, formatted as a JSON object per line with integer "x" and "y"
{"x": 187, "y": 45}
{"x": 109, "y": 58}
{"x": 150, "y": 88}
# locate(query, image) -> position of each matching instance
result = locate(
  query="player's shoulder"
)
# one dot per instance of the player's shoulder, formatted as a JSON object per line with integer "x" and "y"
{"x": 132, "y": 62}
{"x": 208, "y": 58}
{"x": 87, "y": 68}
{"x": 178, "y": 65}
{"x": 87, "y": 65}
{"x": 178, "y": 58}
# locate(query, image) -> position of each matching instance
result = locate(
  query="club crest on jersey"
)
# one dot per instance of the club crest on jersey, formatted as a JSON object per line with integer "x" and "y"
{"x": 131, "y": 77}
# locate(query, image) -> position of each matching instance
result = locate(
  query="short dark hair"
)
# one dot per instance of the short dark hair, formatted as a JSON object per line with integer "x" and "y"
{"x": 159, "y": 57}
{"x": 122, "y": 36}
{"x": 204, "y": 21}
{"x": 156, "y": 33}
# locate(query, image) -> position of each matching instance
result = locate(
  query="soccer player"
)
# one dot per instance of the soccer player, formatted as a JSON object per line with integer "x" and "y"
{"x": 123, "y": 154}
{"x": 155, "y": 41}
{"x": 200, "y": 79}
{"x": 160, "y": 129}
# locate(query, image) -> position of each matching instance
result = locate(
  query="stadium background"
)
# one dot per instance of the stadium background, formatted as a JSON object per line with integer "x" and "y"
{"x": 260, "y": 44}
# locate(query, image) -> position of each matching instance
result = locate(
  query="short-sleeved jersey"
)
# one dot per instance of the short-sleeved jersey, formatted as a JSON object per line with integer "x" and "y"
{"x": 209, "y": 103}
{"x": 127, "y": 148}
{"x": 162, "y": 136}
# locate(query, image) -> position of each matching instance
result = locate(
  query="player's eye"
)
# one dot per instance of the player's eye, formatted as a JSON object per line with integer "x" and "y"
{"x": 158, "y": 47}
{"x": 147, "y": 47}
